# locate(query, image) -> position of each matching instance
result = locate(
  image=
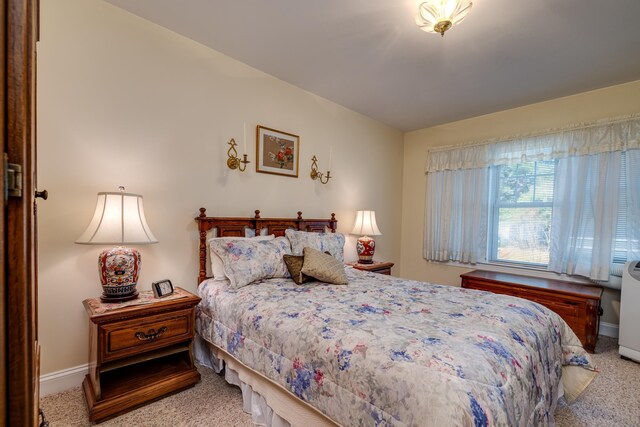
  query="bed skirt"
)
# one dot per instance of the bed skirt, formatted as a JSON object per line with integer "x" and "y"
{"x": 268, "y": 403}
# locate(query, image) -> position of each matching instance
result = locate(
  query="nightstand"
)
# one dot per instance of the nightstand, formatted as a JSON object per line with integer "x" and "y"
{"x": 138, "y": 353}
{"x": 380, "y": 267}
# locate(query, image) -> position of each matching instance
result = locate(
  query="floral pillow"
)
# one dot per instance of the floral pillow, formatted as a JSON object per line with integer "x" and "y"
{"x": 217, "y": 267}
{"x": 332, "y": 242}
{"x": 246, "y": 261}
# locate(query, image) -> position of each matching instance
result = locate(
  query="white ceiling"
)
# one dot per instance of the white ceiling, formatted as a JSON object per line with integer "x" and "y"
{"x": 369, "y": 55}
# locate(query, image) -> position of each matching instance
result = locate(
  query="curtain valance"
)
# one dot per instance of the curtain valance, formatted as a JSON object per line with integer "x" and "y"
{"x": 587, "y": 139}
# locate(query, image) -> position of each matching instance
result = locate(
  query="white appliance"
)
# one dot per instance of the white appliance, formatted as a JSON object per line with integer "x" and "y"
{"x": 629, "y": 339}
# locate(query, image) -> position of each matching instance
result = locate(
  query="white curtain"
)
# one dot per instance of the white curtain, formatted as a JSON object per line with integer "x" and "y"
{"x": 585, "y": 213}
{"x": 456, "y": 215}
{"x": 600, "y": 137}
{"x": 632, "y": 198}
{"x": 589, "y": 199}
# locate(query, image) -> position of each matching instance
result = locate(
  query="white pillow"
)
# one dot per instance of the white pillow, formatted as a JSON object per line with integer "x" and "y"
{"x": 217, "y": 267}
{"x": 248, "y": 260}
{"x": 250, "y": 232}
{"x": 331, "y": 242}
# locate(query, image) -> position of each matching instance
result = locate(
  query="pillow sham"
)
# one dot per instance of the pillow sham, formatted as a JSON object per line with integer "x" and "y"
{"x": 217, "y": 267}
{"x": 248, "y": 260}
{"x": 332, "y": 242}
{"x": 323, "y": 267}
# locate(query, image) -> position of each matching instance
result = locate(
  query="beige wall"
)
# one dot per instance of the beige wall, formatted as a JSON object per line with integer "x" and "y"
{"x": 122, "y": 101}
{"x": 609, "y": 102}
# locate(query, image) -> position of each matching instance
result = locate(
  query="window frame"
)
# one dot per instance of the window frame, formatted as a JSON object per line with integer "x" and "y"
{"x": 494, "y": 206}
{"x": 494, "y": 217}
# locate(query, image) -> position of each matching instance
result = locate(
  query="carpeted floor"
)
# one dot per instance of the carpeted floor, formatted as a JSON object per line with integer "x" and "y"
{"x": 612, "y": 400}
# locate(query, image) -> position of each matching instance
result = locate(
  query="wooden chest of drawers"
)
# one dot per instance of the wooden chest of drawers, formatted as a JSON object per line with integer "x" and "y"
{"x": 578, "y": 305}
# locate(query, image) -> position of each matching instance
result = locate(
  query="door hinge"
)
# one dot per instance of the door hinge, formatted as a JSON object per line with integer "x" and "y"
{"x": 12, "y": 179}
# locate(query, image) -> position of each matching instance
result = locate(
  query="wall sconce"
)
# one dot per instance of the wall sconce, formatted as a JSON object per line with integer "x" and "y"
{"x": 318, "y": 175}
{"x": 233, "y": 162}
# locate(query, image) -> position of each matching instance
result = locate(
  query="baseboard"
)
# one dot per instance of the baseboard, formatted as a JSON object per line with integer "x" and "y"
{"x": 609, "y": 329}
{"x": 65, "y": 379}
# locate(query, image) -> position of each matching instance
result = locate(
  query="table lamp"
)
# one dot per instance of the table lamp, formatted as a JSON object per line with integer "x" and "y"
{"x": 118, "y": 220}
{"x": 366, "y": 226}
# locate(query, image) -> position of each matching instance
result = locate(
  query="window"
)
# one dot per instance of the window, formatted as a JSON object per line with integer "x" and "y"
{"x": 521, "y": 212}
{"x": 624, "y": 248}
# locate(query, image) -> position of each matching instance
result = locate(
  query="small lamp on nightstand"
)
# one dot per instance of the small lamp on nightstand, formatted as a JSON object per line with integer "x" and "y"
{"x": 118, "y": 220}
{"x": 366, "y": 226}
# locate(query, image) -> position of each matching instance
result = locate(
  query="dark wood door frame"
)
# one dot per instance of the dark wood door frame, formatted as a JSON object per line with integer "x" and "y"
{"x": 3, "y": 294}
{"x": 20, "y": 333}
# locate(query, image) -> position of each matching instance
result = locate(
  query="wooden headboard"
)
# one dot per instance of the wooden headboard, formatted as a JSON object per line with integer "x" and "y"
{"x": 235, "y": 227}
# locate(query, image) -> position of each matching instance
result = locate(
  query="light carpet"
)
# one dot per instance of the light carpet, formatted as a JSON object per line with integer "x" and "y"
{"x": 613, "y": 399}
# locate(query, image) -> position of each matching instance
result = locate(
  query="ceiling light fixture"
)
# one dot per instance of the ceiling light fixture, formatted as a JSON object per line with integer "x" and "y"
{"x": 437, "y": 16}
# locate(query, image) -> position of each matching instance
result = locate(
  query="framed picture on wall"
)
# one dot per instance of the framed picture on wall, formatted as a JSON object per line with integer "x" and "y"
{"x": 277, "y": 152}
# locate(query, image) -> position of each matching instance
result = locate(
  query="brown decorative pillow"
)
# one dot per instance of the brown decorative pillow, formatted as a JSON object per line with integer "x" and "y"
{"x": 294, "y": 265}
{"x": 323, "y": 267}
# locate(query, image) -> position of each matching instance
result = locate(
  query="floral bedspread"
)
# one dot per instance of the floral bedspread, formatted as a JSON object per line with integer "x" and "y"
{"x": 384, "y": 351}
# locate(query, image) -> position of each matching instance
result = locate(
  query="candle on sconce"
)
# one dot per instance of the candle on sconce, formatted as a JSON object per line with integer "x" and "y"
{"x": 244, "y": 130}
{"x": 330, "y": 155}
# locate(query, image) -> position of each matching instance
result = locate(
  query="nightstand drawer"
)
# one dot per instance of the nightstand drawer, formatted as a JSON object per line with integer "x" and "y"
{"x": 136, "y": 336}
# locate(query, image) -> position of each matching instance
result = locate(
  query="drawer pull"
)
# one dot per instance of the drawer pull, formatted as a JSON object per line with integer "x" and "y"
{"x": 152, "y": 334}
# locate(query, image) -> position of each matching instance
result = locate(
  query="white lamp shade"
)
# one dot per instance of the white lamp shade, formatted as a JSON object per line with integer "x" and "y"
{"x": 118, "y": 220}
{"x": 366, "y": 224}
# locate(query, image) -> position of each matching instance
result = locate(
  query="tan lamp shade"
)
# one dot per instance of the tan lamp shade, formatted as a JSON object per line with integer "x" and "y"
{"x": 366, "y": 224}
{"x": 118, "y": 220}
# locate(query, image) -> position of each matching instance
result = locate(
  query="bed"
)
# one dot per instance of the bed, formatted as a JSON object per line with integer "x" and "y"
{"x": 382, "y": 351}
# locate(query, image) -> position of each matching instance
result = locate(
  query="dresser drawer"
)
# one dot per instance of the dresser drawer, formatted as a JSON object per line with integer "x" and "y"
{"x": 136, "y": 336}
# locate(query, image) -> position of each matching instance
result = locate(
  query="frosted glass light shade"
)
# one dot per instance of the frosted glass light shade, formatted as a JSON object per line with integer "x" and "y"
{"x": 437, "y": 16}
{"x": 118, "y": 220}
{"x": 366, "y": 224}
